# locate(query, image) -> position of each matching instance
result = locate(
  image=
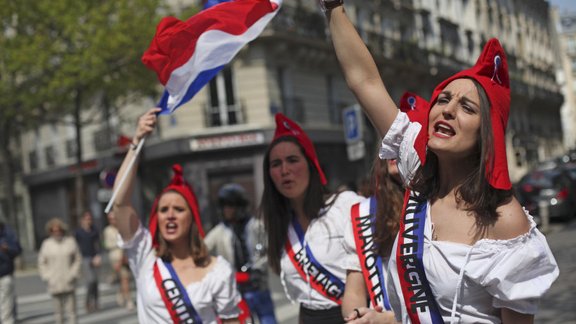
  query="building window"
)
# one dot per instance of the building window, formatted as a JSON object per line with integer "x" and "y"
{"x": 292, "y": 106}
{"x": 50, "y": 156}
{"x": 223, "y": 108}
{"x": 470, "y": 42}
{"x": 70, "y": 148}
{"x": 33, "y": 160}
{"x": 335, "y": 104}
{"x": 427, "y": 28}
{"x": 102, "y": 140}
{"x": 571, "y": 45}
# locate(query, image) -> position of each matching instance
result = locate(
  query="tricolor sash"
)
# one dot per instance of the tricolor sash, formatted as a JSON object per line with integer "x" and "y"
{"x": 322, "y": 280}
{"x": 174, "y": 294}
{"x": 363, "y": 216}
{"x": 418, "y": 299}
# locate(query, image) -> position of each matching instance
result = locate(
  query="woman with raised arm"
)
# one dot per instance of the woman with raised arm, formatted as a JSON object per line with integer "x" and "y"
{"x": 177, "y": 281}
{"x": 305, "y": 225}
{"x": 463, "y": 236}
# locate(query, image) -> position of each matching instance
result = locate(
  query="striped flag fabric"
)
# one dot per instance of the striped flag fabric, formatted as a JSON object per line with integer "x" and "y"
{"x": 187, "y": 54}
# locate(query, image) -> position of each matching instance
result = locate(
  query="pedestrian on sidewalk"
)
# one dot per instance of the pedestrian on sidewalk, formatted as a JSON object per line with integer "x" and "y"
{"x": 9, "y": 249}
{"x": 88, "y": 240}
{"x": 59, "y": 262}
{"x": 118, "y": 263}
{"x": 177, "y": 280}
{"x": 241, "y": 240}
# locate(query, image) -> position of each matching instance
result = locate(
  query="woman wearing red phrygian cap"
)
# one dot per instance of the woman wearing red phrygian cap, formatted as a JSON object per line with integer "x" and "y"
{"x": 466, "y": 251}
{"x": 177, "y": 281}
{"x": 305, "y": 225}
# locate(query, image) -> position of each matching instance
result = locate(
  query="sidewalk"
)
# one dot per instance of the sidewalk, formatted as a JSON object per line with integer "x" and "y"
{"x": 28, "y": 280}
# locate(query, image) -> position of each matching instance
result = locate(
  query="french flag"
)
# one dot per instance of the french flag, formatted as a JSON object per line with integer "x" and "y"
{"x": 187, "y": 55}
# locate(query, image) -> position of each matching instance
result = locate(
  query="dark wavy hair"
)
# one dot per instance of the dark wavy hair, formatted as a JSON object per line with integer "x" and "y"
{"x": 475, "y": 194}
{"x": 198, "y": 249}
{"x": 275, "y": 210}
{"x": 389, "y": 201}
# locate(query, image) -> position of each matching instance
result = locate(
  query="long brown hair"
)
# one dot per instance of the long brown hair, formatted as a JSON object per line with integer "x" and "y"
{"x": 389, "y": 200}
{"x": 198, "y": 249}
{"x": 475, "y": 193}
{"x": 275, "y": 210}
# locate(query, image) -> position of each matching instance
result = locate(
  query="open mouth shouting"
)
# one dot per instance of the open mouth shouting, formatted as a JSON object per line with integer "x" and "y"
{"x": 171, "y": 228}
{"x": 443, "y": 130}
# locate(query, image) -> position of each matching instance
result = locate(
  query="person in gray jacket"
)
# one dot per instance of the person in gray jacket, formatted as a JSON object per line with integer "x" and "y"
{"x": 240, "y": 239}
{"x": 59, "y": 262}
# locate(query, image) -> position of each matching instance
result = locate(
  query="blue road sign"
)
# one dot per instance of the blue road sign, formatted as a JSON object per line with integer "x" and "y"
{"x": 352, "y": 119}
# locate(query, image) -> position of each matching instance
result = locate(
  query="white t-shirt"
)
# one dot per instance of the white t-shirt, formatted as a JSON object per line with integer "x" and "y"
{"x": 215, "y": 295}
{"x": 497, "y": 274}
{"x": 324, "y": 237}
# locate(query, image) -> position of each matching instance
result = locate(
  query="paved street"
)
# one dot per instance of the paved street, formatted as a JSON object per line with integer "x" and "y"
{"x": 35, "y": 305}
{"x": 558, "y": 306}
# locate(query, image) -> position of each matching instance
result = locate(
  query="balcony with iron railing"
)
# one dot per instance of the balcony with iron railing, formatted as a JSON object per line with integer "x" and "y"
{"x": 298, "y": 20}
{"x": 216, "y": 116}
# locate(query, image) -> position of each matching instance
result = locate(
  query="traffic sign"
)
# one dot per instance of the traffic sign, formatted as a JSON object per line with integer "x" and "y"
{"x": 352, "y": 121}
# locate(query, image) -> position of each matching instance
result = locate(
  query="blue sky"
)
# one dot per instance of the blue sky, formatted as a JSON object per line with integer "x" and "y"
{"x": 564, "y": 5}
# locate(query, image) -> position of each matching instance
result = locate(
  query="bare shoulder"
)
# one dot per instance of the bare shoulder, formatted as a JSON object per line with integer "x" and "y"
{"x": 512, "y": 221}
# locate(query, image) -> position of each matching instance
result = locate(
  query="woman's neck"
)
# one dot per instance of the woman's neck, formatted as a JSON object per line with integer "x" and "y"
{"x": 180, "y": 251}
{"x": 298, "y": 208}
{"x": 452, "y": 173}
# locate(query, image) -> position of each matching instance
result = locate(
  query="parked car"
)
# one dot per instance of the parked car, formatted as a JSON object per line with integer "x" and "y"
{"x": 571, "y": 168}
{"x": 551, "y": 188}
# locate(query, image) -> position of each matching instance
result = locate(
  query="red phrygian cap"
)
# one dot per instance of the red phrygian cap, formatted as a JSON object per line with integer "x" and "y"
{"x": 417, "y": 109}
{"x": 491, "y": 71}
{"x": 179, "y": 185}
{"x": 287, "y": 127}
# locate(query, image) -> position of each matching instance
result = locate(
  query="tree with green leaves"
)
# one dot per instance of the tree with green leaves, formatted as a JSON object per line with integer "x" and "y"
{"x": 62, "y": 57}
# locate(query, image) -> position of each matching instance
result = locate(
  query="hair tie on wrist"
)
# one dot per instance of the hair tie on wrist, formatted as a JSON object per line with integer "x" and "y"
{"x": 357, "y": 313}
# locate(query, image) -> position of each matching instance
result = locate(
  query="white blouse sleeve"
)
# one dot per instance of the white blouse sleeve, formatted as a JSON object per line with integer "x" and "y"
{"x": 398, "y": 144}
{"x": 226, "y": 296}
{"x": 516, "y": 272}
{"x": 137, "y": 248}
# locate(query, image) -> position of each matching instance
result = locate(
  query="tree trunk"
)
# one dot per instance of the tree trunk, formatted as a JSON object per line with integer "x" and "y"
{"x": 8, "y": 176}
{"x": 78, "y": 178}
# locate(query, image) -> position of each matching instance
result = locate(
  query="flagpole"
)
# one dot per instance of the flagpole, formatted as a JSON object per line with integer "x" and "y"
{"x": 123, "y": 179}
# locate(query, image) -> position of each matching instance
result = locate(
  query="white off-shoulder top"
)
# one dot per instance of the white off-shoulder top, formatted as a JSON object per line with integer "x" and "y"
{"x": 215, "y": 296}
{"x": 471, "y": 283}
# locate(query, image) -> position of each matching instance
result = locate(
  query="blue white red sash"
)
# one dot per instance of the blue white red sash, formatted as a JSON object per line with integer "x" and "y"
{"x": 322, "y": 280}
{"x": 174, "y": 294}
{"x": 363, "y": 216}
{"x": 418, "y": 299}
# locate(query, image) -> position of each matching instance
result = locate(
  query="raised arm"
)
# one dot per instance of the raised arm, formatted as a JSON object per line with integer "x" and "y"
{"x": 360, "y": 71}
{"x": 126, "y": 219}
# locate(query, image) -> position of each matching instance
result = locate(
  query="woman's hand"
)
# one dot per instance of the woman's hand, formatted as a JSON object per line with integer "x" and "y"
{"x": 146, "y": 124}
{"x": 364, "y": 315}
